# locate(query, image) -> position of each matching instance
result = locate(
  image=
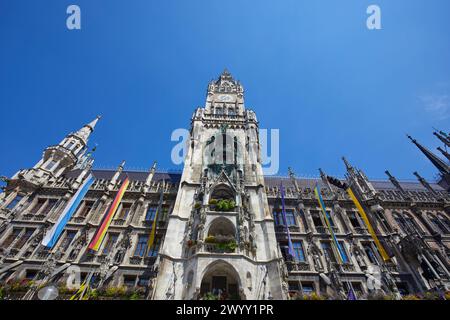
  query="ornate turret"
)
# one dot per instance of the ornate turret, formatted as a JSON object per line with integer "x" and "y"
{"x": 58, "y": 159}
{"x": 443, "y": 168}
{"x": 359, "y": 180}
{"x": 85, "y": 132}
{"x": 394, "y": 181}
{"x": 225, "y": 97}
{"x": 445, "y": 153}
{"x": 293, "y": 179}
{"x": 225, "y": 84}
{"x": 443, "y": 137}
{"x": 423, "y": 182}
{"x": 150, "y": 175}
{"x": 116, "y": 176}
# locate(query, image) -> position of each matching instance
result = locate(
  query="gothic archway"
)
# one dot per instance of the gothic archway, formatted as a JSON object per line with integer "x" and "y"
{"x": 221, "y": 280}
{"x": 221, "y": 236}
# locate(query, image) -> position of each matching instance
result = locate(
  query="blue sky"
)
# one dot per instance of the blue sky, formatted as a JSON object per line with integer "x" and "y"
{"x": 310, "y": 68}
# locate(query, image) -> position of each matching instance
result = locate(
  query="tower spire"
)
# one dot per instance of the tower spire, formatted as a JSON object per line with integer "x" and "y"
{"x": 394, "y": 181}
{"x": 437, "y": 162}
{"x": 424, "y": 182}
{"x": 348, "y": 166}
{"x": 323, "y": 176}
{"x": 445, "y": 153}
{"x": 443, "y": 137}
{"x": 87, "y": 129}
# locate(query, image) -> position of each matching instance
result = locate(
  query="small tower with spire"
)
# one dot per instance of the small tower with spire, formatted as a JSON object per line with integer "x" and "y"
{"x": 225, "y": 97}
{"x": 58, "y": 159}
{"x": 359, "y": 180}
{"x": 443, "y": 168}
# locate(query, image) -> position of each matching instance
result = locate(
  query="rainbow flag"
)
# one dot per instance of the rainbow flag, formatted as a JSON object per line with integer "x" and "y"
{"x": 101, "y": 232}
{"x": 342, "y": 256}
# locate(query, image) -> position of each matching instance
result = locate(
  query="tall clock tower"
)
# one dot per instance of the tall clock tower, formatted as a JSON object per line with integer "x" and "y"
{"x": 220, "y": 238}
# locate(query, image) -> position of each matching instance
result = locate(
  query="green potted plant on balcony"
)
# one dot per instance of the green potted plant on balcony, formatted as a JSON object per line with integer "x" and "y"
{"x": 225, "y": 205}
{"x": 229, "y": 246}
{"x": 210, "y": 296}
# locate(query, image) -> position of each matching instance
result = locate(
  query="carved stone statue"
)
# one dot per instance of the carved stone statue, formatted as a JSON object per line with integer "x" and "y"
{"x": 124, "y": 244}
{"x": 357, "y": 252}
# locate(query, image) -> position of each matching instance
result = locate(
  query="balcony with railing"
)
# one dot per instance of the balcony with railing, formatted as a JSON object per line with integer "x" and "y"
{"x": 392, "y": 268}
{"x": 101, "y": 258}
{"x": 39, "y": 217}
{"x": 136, "y": 260}
{"x": 360, "y": 230}
{"x": 220, "y": 247}
{"x": 348, "y": 267}
{"x": 119, "y": 222}
{"x": 295, "y": 266}
{"x": 223, "y": 116}
{"x": 13, "y": 252}
{"x": 325, "y": 230}
{"x": 4, "y": 212}
{"x": 27, "y": 217}
{"x": 42, "y": 255}
{"x": 282, "y": 228}
{"x": 78, "y": 220}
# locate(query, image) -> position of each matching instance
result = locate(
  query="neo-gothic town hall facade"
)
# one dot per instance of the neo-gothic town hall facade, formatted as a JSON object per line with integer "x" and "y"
{"x": 223, "y": 228}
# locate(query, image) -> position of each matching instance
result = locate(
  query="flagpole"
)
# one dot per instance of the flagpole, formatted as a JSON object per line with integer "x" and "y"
{"x": 151, "y": 238}
{"x": 291, "y": 248}
{"x": 325, "y": 180}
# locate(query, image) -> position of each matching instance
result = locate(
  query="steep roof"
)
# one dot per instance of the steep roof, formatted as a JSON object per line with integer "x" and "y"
{"x": 270, "y": 181}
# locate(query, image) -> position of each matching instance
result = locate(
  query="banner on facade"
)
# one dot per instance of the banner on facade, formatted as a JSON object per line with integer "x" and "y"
{"x": 101, "y": 232}
{"x": 53, "y": 235}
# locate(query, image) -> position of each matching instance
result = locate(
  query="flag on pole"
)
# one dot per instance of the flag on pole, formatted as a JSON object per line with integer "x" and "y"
{"x": 151, "y": 238}
{"x": 363, "y": 215}
{"x": 101, "y": 232}
{"x": 283, "y": 211}
{"x": 342, "y": 257}
{"x": 53, "y": 235}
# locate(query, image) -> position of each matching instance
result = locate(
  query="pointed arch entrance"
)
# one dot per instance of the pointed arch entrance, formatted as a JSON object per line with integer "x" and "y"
{"x": 221, "y": 279}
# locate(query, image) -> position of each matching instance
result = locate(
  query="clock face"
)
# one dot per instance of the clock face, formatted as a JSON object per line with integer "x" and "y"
{"x": 225, "y": 97}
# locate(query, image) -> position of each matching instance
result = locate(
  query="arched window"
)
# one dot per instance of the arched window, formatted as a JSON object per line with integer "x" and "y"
{"x": 400, "y": 222}
{"x": 445, "y": 221}
{"x": 190, "y": 278}
{"x": 437, "y": 223}
{"x": 248, "y": 280}
{"x": 384, "y": 224}
{"x": 411, "y": 224}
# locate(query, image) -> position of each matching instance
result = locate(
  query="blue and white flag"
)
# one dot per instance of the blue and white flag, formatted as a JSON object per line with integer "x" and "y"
{"x": 53, "y": 235}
